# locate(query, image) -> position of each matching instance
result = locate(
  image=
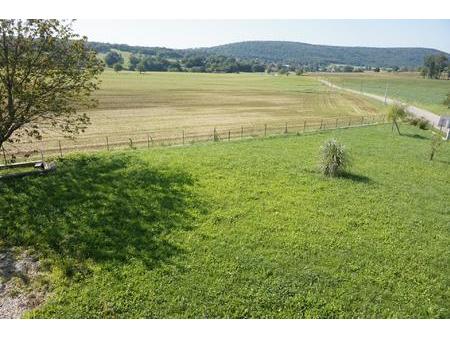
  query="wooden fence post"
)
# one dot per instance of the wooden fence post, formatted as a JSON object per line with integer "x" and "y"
{"x": 362, "y": 120}
{"x": 265, "y": 130}
{"x": 229, "y": 135}
{"x": 107, "y": 143}
{"x": 131, "y": 143}
{"x": 304, "y": 126}
{"x": 285, "y": 129}
{"x": 242, "y": 132}
{"x": 321, "y": 123}
{"x": 336, "y": 123}
{"x": 349, "y": 121}
{"x": 183, "y": 136}
{"x": 60, "y": 149}
{"x": 148, "y": 141}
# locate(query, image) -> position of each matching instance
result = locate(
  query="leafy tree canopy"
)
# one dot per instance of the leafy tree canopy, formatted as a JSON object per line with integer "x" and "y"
{"x": 47, "y": 73}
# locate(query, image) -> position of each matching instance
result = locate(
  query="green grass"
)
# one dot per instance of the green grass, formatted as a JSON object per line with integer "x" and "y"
{"x": 242, "y": 229}
{"x": 408, "y": 87}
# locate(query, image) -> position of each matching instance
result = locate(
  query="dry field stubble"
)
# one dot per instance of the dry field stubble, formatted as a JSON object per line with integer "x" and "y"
{"x": 163, "y": 105}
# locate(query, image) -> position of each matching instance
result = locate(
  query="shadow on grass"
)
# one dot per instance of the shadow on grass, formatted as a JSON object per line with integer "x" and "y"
{"x": 355, "y": 177}
{"x": 417, "y": 136}
{"x": 100, "y": 209}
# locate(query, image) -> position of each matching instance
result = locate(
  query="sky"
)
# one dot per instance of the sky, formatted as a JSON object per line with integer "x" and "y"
{"x": 206, "y": 33}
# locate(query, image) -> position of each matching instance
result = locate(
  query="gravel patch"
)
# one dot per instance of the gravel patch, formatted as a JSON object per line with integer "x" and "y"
{"x": 18, "y": 271}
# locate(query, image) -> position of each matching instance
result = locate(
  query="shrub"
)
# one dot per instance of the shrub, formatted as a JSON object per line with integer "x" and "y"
{"x": 423, "y": 124}
{"x": 414, "y": 121}
{"x": 334, "y": 158}
{"x": 418, "y": 122}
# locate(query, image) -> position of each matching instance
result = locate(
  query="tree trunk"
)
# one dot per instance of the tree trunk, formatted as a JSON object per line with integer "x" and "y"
{"x": 396, "y": 126}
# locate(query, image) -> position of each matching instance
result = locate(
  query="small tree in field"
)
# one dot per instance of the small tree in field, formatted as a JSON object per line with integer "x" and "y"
{"x": 47, "y": 73}
{"x": 118, "y": 67}
{"x": 112, "y": 58}
{"x": 396, "y": 113}
{"x": 334, "y": 158}
{"x": 436, "y": 142}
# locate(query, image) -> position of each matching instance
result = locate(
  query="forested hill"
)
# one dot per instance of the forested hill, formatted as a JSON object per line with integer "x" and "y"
{"x": 303, "y": 53}
{"x": 293, "y": 53}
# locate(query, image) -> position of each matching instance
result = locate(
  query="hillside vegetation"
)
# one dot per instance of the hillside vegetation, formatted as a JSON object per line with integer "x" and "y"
{"x": 242, "y": 229}
{"x": 297, "y": 52}
{"x": 294, "y": 53}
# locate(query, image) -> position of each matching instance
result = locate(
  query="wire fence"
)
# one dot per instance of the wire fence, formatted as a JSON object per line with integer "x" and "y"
{"x": 59, "y": 147}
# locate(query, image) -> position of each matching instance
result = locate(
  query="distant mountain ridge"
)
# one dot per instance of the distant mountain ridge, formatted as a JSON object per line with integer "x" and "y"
{"x": 304, "y": 53}
{"x": 297, "y": 53}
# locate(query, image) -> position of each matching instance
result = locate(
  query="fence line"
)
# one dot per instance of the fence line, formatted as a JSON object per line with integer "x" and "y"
{"x": 181, "y": 136}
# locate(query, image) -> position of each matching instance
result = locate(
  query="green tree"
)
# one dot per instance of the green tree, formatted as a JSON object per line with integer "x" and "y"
{"x": 396, "y": 113}
{"x": 134, "y": 60}
{"x": 117, "y": 67}
{"x": 447, "y": 100}
{"x": 112, "y": 58}
{"x": 47, "y": 73}
{"x": 434, "y": 66}
{"x": 141, "y": 66}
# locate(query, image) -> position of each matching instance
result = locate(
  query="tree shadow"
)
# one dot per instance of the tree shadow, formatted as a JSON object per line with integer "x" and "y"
{"x": 356, "y": 178}
{"x": 101, "y": 209}
{"x": 417, "y": 136}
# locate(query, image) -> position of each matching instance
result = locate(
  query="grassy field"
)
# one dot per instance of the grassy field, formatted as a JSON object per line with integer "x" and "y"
{"x": 408, "y": 87}
{"x": 242, "y": 229}
{"x": 163, "y": 104}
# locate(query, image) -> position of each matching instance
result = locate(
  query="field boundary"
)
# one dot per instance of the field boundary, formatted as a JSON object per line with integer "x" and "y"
{"x": 185, "y": 137}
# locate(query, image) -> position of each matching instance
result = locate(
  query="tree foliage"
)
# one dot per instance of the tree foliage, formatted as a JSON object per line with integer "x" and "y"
{"x": 396, "y": 113}
{"x": 447, "y": 100}
{"x": 117, "y": 67}
{"x": 434, "y": 66}
{"x": 47, "y": 73}
{"x": 112, "y": 58}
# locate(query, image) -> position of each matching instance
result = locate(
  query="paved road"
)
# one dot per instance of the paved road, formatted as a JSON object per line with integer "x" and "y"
{"x": 419, "y": 112}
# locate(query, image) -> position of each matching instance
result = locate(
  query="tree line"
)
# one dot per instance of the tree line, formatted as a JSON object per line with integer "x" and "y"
{"x": 189, "y": 63}
{"x": 166, "y": 60}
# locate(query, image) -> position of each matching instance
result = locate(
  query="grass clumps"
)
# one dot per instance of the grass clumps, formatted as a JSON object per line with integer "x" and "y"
{"x": 334, "y": 158}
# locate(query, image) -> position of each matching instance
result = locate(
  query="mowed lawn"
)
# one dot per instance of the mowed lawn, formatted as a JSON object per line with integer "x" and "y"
{"x": 165, "y": 103}
{"x": 245, "y": 229}
{"x": 407, "y": 87}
